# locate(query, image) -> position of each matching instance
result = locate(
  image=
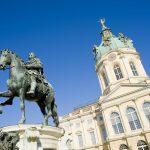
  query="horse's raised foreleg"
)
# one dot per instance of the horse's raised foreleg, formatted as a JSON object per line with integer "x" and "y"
{"x": 6, "y": 94}
{"x": 22, "y": 106}
{"x": 8, "y": 102}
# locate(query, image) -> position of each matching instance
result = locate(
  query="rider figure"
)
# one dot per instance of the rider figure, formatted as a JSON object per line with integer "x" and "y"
{"x": 35, "y": 69}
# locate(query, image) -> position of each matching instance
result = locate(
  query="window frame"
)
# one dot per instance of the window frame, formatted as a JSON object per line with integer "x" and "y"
{"x": 142, "y": 145}
{"x": 80, "y": 140}
{"x": 68, "y": 144}
{"x": 133, "y": 69}
{"x": 105, "y": 78}
{"x": 116, "y": 123}
{"x": 92, "y": 135}
{"x": 133, "y": 118}
{"x": 123, "y": 147}
{"x": 147, "y": 110}
{"x": 118, "y": 71}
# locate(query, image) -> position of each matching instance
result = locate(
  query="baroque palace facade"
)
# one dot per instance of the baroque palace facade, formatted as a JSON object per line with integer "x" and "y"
{"x": 120, "y": 118}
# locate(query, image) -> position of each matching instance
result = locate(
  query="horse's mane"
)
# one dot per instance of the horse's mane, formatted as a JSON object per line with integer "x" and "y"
{"x": 11, "y": 52}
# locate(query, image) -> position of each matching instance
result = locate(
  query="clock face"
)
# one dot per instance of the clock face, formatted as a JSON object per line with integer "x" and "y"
{"x": 111, "y": 57}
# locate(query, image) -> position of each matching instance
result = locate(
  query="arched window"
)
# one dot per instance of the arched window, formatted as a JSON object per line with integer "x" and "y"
{"x": 105, "y": 79}
{"x": 123, "y": 147}
{"x": 118, "y": 72}
{"x": 116, "y": 123}
{"x": 93, "y": 138}
{"x": 134, "y": 71}
{"x": 80, "y": 140}
{"x": 146, "y": 107}
{"x": 142, "y": 145}
{"x": 68, "y": 144}
{"x": 133, "y": 119}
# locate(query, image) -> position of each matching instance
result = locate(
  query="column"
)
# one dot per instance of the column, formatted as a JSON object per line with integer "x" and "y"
{"x": 96, "y": 132}
{"x": 107, "y": 72}
{"x": 142, "y": 124}
{"x": 84, "y": 143}
{"x": 122, "y": 58}
{"x": 101, "y": 82}
{"x": 70, "y": 124}
{"x": 123, "y": 123}
{"x": 138, "y": 113}
{"x": 107, "y": 130}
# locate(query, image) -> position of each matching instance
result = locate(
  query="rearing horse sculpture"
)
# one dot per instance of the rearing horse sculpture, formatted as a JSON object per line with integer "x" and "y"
{"x": 19, "y": 84}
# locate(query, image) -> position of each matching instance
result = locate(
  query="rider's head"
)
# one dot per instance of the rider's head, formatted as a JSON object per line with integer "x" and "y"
{"x": 31, "y": 55}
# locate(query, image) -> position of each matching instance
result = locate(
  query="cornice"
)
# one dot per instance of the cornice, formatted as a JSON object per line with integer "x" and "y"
{"x": 105, "y": 99}
{"x": 124, "y": 100}
{"x": 118, "y": 51}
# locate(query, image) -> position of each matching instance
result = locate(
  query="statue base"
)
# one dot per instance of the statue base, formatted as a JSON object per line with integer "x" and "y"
{"x": 36, "y": 137}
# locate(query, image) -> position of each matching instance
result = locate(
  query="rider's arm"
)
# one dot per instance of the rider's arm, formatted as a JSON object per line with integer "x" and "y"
{"x": 35, "y": 65}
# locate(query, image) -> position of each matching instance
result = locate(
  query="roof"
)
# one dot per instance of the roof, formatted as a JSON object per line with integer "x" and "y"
{"x": 110, "y": 42}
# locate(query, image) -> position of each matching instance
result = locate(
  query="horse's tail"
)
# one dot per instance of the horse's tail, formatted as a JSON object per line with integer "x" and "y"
{"x": 51, "y": 105}
{"x": 1, "y": 109}
{"x": 54, "y": 112}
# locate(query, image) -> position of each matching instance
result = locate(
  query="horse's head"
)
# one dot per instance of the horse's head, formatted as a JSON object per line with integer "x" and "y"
{"x": 5, "y": 59}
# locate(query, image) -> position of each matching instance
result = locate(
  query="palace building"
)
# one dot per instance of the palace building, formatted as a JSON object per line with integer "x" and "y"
{"x": 120, "y": 118}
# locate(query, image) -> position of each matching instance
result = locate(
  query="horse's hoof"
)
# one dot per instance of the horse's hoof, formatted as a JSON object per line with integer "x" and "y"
{"x": 22, "y": 122}
{"x": 56, "y": 124}
{"x": 45, "y": 123}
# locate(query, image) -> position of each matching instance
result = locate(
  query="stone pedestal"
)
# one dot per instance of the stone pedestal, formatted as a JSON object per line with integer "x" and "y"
{"x": 36, "y": 137}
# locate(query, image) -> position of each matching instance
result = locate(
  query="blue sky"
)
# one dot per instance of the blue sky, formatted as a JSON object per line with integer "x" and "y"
{"x": 62, "y": 34}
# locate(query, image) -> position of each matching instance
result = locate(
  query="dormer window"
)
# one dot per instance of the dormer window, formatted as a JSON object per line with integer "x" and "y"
{"x": 118, "y": 72}
{"x": 133, "y": 68}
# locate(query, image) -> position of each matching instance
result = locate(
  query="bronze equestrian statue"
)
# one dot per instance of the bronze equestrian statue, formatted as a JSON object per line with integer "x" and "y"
{"x": 27, "y": 81}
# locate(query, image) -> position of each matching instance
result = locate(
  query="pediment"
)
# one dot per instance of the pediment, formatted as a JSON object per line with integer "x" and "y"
{"x": 78, "y": 132}
{"x": 123, "y": 90}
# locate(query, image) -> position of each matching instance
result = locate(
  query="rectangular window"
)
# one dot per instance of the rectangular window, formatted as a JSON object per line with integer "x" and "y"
{"x": 134, "y": 71}
{"x": 118, "y": 72}
{"x": 104, "y": 133}
{"x": 147, "y": 113}
{"x": 80, "y": 140}
{"x": 100, "y": 118}
{"x": 89, "y": 121}
{"x": 105, "y": 78}
{"x": 77, "y": 125}
{"x": 93, "y": 139}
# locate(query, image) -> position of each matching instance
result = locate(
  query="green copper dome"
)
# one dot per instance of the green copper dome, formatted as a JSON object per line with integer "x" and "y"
{"x": 110, "y": 42}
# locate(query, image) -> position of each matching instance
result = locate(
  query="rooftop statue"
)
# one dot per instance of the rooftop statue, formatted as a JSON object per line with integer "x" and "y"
{"x": 110, "y": 42}
{"x": 102, "y": 21}
{"x": 27, "y": 81}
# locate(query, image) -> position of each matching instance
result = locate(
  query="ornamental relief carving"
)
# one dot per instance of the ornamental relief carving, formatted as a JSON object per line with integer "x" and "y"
{"x": 112, "y": 57}
{"x": 32, "y": 138}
